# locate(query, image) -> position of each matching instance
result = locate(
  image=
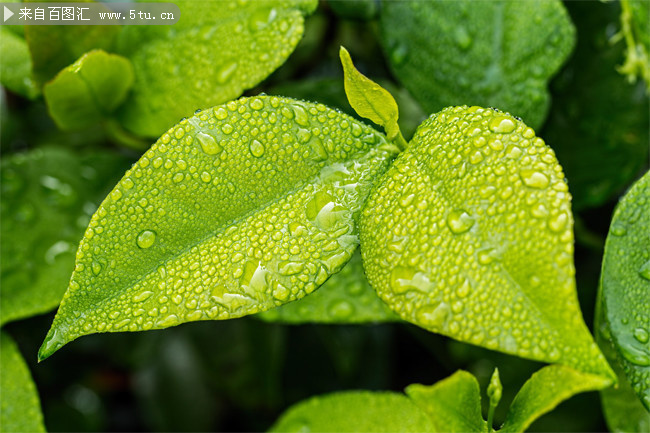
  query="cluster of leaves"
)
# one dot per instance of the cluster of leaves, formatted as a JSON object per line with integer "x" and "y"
{"x": 466, "y": 228}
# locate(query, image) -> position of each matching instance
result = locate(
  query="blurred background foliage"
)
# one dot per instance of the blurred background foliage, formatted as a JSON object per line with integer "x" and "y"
{"x": 239, "y": 375}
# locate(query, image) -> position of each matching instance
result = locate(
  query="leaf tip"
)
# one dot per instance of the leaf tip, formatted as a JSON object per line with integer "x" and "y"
{"x": 53, "y": 342}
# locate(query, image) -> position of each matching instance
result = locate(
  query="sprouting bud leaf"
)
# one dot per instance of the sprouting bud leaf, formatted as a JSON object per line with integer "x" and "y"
{"x": 495, "y": 389}
{"x": 368, "y": 98}
{"x": 234, "y": 211}
{"x": 469, "y": 234}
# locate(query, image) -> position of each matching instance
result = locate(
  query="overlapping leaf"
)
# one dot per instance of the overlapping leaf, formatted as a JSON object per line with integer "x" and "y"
{"x": 469, "y": 234}
{"x": 16, "y": 64}
{"x": 496, "y": 53}
{"x": 48, "y": 196}
{"x": 236, "y": 210}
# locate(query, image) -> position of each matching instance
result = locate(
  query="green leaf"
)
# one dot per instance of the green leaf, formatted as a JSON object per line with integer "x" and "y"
{"x": 452, "y": 404}
{"x": 19, "y": 404}
{"x": 598, "y": 124}
{"x": 635, "y": 30}
{"x": 89, "y": 89}
{"x": 354, "y": 411}
{"x": 234, "y": 211}
{"x": 215, "y": 52}
{"x": 361, "y": 10}
{"x": 490, "y": 53}
{"x": 368, "y": 98}
{"x": 546, "y": 389}
{"x": 346, "y": 297}
{"x": 52, "y": 48}
{"x": 624, "y": 287}
{"x": 16, "y": 65}
{"x": 469, "y": 234}
{"x": 48, "y": 196}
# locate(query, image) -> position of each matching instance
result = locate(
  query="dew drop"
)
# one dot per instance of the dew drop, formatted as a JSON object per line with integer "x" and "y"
{"x": 208, "y": 143}
{"x": 618, "y": 230}
{"x": 96, "y": 268}
{"x": 644, "y": 270}
{"x": 226, "y": 72}
{"x": 534, "y": 179}
{"x": 641, "y": 335}
{"x": 398, "y": 54}
{"x": 502, "y": 124}
{"x": 300, "y": 115}
{"x": 146, "y": 239}
{"x": 462, "y": 37}
{"x": 256, "y": 148}
{"x": 558, "y": 222}
{"x": 459, "y": 221}
{"x": 434, "y": 316}
{"x": 142, "y": 296}
{"x": 405, "y": 279}
{"x": 257, "y": 104}
{"x": 635, "y": 355}
{"x": 340, "y": 309}
{"x": 220, "y": 113}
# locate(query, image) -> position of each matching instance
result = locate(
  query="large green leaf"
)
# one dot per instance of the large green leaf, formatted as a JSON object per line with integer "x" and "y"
{"x": 355, "y": 411}
{"x": 89, "y": 89}
{"x": 346, "y": 297}
{"x": 469, "y": 234}
{"x": 453, "y": 404}
{"x": 625, "y": 287}
{"x": 490, "y": 53}
{"x": 215, "y": 51}
{"x": 48, "y": 196}
{"x": 238, "y": 209}
{"x": 16, "y": 65}
{"x": 20, "y": 409}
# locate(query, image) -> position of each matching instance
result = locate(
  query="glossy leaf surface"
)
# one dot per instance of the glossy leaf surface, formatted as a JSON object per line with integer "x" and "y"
{"x": 236, "y": 210}
{"x": 496, "y": 53}
{"x": 16, "y": 65}
{"x": 346, "y": 297}
{"x": 546, "y": 389}
{"x": 20, "y": 409}
{"x": 48, "y": 196}
{"x": 89, "y": 89}
{"x": 453, "y": 404}
{"x": 214, "y": 52}
{"x": 469, "y": 234}
{"x": 355, "y": 411}
{"x": 625, "y": 287}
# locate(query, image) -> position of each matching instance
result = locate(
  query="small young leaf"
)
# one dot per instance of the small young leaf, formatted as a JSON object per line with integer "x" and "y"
{"x": 20, "y": 408}
{"x": 215, "y": 52}
{"x": 89, "y": 89}
{"x": 625, "y": 287}
{"x": 48, "y": 196}
{"x": 355, "y": 411}
{"x": 453, "y": 404}
{"x": 368, "y": 98}
{"x": 236, "y": 210}
{"x": 16, "y": 65}
{"x": 490, "y": 53}
{"x": 469, "y": 234}
{"x": 346, "y": 297}
{"x": 546, "y": 389}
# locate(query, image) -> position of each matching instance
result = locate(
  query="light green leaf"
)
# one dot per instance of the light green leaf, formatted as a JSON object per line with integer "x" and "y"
{"x": 546, "y": 389}
{"x": 346, "y": 297}
{"x": 469, "y": 234}
{"x": 453, "y": 404}
{"x": 215, "y": 52}
{"x": 234, "y": 211}
{"x": 20, "y": 408}
{"x": 16, "y": 65}
{"x": 368, "y": 98}
{"x": 355, "y": 411}
{"x": 625, "y": 287}
{"x": 490, "y": 53}
{"x": 48, "y": 196}
{"x": 89, "y": 89}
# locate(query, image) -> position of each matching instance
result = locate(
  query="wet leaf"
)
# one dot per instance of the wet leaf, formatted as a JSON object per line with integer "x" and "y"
{"x": 546, "y": 389}
{"x": 16, "y": 65}
{"x": 453, "y": 404}
{"x": 625, "y": 285}
{"x": 469, "y": 234}
{"x": 346, "y": 297}
{"x": 89, "y": 89}
{"x": 497, "y": 53}
{"x": 21, "y": 408}
{"x": 354, "y": 411}
{"x": 238, "y": 209}
{"x": 48, "y": 196}
{"x": 215, "y": 52}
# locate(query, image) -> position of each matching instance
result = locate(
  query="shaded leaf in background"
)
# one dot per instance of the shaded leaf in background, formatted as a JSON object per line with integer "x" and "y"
{"x": 625, "y": 287}
{"x": 241, "y": 208}
{"x": 635, "y": 31}
{"x": 88, "y": 90}
{"x": 214, "y": 52}
{"x": 361, "y": 10}
{"x": 355, "y": 411}
{"x": 16, "y": 64}
{"x": 453, "y": 404}
{"x": 346, "y": 297}
{"x": 48, "y": 196}
{"x": 20, "y": 408}
{"x": 497, "y": 53}
{"x": 598, "y": 124}
{"x": 469, "y": 234}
